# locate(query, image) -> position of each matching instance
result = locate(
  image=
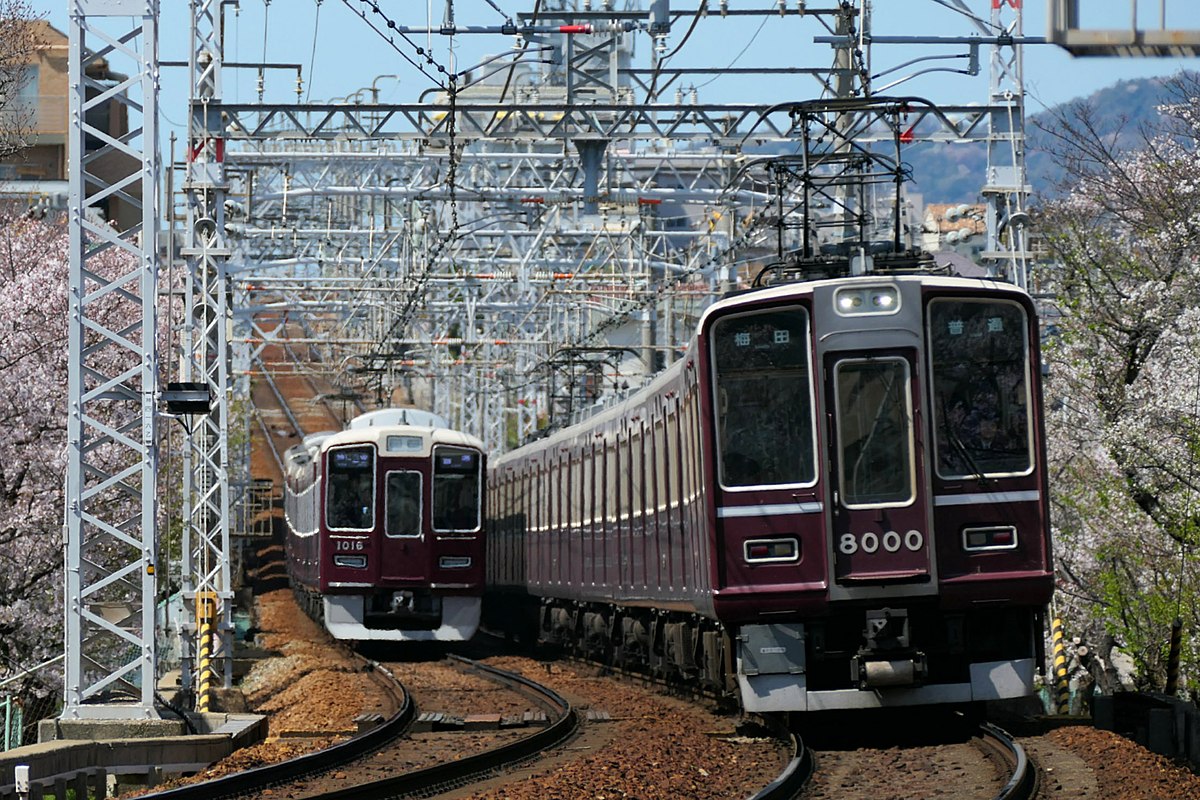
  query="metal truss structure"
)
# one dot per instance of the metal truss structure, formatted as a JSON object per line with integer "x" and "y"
{"x": 112, "y": 457}
{"x": 1071, "y": 28}
{"x": 207, "y": 588}
{"x": 1006, "y": 188}
{"x": 589, "y": 236}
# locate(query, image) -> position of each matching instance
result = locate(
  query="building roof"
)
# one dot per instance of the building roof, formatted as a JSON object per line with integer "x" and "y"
{"x": 944, "y": 218}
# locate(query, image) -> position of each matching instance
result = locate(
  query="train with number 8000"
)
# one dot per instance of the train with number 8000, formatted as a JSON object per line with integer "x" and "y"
{"x": 385, "y": 533}
{"x": 836, "y": 498}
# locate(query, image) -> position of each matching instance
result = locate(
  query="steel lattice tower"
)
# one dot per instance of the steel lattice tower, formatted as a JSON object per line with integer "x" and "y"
{"x": 112, "y": 456}
{"x": 207, "y": 590}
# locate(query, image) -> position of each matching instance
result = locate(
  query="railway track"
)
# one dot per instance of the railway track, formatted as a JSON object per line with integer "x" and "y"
{"x": 373, "y": 764}
{"x": 1022, "y": 783}
{"x": 984, "y": 763}
{"x": 286, "y": 409}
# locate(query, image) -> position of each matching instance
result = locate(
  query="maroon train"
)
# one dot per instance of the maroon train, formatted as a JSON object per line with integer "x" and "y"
{"x": 385, "y": 535}
{"x": 835, "y": 499}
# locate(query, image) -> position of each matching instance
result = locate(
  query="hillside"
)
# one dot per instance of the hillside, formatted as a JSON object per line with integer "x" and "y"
{"x": 955, "y": 173}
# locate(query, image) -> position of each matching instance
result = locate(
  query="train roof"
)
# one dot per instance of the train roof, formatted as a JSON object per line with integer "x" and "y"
{"x": 605, "y": 415}
{"x": 398, "y": 416}
{"x": 380, "y": 436}
{"x": 799, "y": 288}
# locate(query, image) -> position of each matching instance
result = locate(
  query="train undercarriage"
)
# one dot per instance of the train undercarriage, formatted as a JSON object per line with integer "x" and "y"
{"x": 856, "y": 658}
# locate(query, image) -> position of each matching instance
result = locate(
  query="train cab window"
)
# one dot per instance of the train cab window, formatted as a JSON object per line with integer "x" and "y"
{"x": 874, "y": 432}
{"x": 350, "y": 496}
{"x": 456, "y": 488}
{"x": 979, "y": 354}
{"x": 764, "y": 406}
{"x": 403, "y": 504}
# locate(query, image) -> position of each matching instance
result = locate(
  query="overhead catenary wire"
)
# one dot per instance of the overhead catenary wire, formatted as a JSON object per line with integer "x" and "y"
{"x": 391, "y": 25}
{"x": 738, "y": 57}
{"x": 266, "y": 28}
{"x": 312, "y": 59}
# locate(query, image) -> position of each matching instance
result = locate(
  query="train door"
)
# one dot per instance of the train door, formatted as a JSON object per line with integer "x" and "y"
{"x": 405, "y": 547}
{"x": 879, "y": 520}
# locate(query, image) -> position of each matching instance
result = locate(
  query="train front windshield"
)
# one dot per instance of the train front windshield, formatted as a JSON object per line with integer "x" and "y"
{"x": 979, "y": 353}
{"x": 350, "y": 497}
{"x": 764, "y": 398}
{"x": 456, "y": 489}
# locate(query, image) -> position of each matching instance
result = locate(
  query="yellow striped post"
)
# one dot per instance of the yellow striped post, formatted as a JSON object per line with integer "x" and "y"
{"x": 206, "y": 613}
{"x": 1062, "y": 687}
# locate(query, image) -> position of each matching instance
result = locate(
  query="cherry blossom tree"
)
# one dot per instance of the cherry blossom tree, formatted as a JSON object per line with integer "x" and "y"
{"x": 1124, "y": 386}
{"x": 34, "y": 364}
{"x": 33, "y": 371}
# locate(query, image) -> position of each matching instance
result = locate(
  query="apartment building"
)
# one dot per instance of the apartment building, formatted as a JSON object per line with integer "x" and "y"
{"x": 37, "y": 175}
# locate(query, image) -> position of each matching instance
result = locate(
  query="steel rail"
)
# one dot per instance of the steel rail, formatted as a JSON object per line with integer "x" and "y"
{"x": 794, "y": 777}
{"x": 253, "y": 781}
{"x": 283, "y": 404}
{"x": 270, "y": 440}
{"x": 454, "y": 773}
{"x": 1023, "y": 784}
{"x": 469, "y": 769}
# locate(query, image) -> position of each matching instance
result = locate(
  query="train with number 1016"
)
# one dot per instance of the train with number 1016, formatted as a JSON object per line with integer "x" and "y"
{"x": 385, "y": 528}
{"x": 836, "y": 498}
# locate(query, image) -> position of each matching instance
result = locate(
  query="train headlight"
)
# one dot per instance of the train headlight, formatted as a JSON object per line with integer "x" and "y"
{"x": 855, "y": 300}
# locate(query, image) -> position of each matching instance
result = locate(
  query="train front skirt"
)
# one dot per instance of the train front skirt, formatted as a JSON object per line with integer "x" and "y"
{"x": 771, "y": 678}
{"x": 344, "y": 618}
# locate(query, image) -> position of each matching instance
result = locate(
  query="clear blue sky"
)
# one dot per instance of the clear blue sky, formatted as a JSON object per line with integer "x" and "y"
{"x": 340, "y": 54}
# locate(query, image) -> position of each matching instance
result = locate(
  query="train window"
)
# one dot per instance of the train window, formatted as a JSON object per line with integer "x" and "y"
{"x": 637, "y": 501}
{"x": 456, "y": 488}
{"x": 673, "y": 449}
{"x": 660, "y": 464}
{"x": 589, "y": 487}
{"x": 979, "y": 363}
{"x": 576, "y": 492}
{"x": 610, "y": 482}
{"x": 764, "y": 405}
{"x": 403, "y": 504}
{"x": 350, "y": 495}
{"x": 563, "y": 466}
{"x": 874, "y": 430}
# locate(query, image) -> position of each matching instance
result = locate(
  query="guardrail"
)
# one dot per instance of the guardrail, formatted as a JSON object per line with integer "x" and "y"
{"x": 1160, "y": 723}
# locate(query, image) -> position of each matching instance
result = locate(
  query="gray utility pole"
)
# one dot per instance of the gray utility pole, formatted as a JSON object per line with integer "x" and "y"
{"x": 207, "y": 641}
{"x": 112, "y": 459}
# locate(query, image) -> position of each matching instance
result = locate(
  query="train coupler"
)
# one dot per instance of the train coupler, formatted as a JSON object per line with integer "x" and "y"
{"x": 874, "y": 672}
{"x": 887, "y": 659}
